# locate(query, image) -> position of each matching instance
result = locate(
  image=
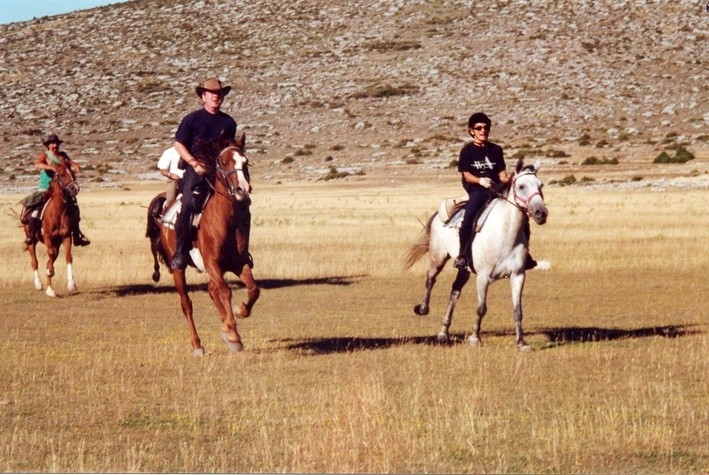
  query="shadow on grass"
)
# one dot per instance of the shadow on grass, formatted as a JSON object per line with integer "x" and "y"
{"x": 556, "y": 336}
{"x": 168, "y": 287}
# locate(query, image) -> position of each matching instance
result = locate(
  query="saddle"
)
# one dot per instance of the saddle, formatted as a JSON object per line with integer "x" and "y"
{"x": 451, "y": 211}
{"x": 169, "y": 215}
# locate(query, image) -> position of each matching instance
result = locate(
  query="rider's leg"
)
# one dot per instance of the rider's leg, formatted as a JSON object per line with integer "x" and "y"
{"x": 183, "y": 223}
{"x": 476, "y": 199}
{"x": 79, "y": 238}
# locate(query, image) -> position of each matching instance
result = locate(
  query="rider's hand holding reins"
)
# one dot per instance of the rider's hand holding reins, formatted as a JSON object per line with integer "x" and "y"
{"x": 485, "y": 182}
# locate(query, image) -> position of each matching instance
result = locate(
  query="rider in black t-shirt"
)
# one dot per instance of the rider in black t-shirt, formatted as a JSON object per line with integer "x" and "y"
{"x": 198, "y": 129}
{"x": 481, "y": 164}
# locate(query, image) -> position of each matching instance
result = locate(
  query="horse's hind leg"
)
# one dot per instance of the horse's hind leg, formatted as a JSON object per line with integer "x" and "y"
{"x": 460, "y": 281}
{"x": 32, "y": 250}
{"x": 154, "y": 248}
{"x": 436, "y": 261}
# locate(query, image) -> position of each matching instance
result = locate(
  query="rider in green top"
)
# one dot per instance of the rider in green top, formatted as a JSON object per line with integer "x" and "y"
{"x": 46, "y": 161}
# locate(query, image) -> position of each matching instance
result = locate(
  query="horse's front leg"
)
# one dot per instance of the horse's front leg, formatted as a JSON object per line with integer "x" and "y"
{"x": 220, "y": 293}
{"x": 52, "y": 253}
{"x": 186, "y": 304}
{"x": 483, "y": 284}
{"x": 70, "y": 283}
{"x": 517, "y": 285}
{"x": 460, "y": 281}
{"x": 252, "y": 292}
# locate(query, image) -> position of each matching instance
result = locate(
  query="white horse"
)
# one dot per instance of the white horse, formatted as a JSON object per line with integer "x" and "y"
{"x": 499, "y": 249}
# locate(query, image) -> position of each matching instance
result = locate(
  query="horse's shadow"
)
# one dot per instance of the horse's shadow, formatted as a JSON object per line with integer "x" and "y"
{"x": 556, "y": 337}
{"x": 143, "y": 289}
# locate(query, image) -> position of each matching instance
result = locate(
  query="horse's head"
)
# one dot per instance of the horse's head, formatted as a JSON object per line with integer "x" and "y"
{"x": 64, "y": 177}
{"x": 233, "y": 170}
{"x": 527, "y": 189}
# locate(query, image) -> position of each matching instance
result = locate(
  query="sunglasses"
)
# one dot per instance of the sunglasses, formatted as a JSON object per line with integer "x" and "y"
{"x": 482, "y": 127}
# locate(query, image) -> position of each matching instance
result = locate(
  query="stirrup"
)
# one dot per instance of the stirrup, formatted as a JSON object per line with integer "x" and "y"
{"x": 461, "y": 262}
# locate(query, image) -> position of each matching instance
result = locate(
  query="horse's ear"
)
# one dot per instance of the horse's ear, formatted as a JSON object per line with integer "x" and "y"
{"x": 520, "y": 164}
{"x": 537, "y": 164}
{"x": 241, "y": 140}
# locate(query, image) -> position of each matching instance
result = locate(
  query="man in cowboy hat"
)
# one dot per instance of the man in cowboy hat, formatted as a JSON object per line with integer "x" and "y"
{"x": 45, "y": 163}
{"x": 198, "y": 129}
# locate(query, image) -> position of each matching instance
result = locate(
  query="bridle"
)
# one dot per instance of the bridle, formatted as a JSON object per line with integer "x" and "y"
{"x": 67, "y": 182}
{"x": 235, "y": 191}
{"x": 519, "y": 202}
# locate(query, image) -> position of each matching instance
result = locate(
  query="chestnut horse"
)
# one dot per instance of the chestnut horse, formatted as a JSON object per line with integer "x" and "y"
{"x": 222, "y": 240}
{"x": 56, "y": 228}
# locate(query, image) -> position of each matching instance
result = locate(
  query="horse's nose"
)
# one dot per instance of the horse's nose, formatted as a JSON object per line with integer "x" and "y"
{"x": 540, "y": 215}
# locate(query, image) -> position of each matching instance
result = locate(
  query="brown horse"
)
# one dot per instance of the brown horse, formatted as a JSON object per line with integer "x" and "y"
{"x": 56, "y": 228}
{"x": 222, "y": 239}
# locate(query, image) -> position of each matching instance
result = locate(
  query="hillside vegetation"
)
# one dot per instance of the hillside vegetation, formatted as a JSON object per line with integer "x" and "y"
{"x": 359, "y": 86}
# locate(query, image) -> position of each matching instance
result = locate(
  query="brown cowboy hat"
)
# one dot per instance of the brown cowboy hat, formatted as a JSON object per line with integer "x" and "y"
{"x": 51, "y": 138}
{"x": 214, "y": 86}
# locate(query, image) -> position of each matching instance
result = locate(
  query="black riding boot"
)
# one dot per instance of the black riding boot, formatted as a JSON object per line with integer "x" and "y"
{"x": 464, "y": 259}
{"x": 32, "y": 228}
{"x": 182, "y": 236}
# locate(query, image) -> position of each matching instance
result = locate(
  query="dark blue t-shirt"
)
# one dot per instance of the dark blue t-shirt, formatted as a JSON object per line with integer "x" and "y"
{"x": 202, "y": 127}
{"x": 486, "y": 161}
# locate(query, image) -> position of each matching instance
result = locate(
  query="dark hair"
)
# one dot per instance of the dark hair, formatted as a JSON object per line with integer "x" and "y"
{"x": 477, "y": 118}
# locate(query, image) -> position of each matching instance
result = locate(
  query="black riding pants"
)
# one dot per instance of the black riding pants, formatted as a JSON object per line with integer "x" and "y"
{"x": 477, "y": 196}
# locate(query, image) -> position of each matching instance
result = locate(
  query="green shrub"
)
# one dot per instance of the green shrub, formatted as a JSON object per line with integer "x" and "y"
{"x": 567, "y": 180}
{"x": 600, "y": 161}
{"x": 682, "y": 155}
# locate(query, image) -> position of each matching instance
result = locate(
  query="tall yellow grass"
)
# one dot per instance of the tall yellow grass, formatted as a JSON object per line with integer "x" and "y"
{"x": 338, "y": 374}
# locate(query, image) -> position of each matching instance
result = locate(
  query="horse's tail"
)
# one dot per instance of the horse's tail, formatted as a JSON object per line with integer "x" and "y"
{"x": 152, "y": 230}
{"x": 421, "y": 246}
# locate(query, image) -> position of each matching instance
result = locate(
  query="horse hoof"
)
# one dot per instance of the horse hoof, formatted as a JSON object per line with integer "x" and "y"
{"x": 234, "y": 346}
{"x": 443, "y": 338}
{"x": 156, "y": 276}
{"x": 242, "y": 312}
{"x": 420, "y": 310}
{"x": 525, "y": 347}
{"x": 50, "y": 292}
{"x": 198, "y": 352}
{"x": 474, "y": 342}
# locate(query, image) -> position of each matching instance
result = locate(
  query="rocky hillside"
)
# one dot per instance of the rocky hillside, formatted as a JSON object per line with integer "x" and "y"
{"x": 363, "y": 87}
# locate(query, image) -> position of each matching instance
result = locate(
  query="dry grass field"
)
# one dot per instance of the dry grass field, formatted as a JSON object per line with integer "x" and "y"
{"x": 338, "y": 374}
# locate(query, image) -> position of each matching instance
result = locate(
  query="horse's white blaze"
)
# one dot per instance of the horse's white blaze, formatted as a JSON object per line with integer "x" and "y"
{"x": 239, "y": 162}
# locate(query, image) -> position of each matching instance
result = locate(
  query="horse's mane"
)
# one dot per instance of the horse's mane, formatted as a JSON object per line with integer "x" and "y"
{"x": 208, "y": 152}
{"x": 503, "y": 188}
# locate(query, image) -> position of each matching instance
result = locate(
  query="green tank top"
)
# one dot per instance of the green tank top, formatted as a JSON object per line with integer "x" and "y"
{"x": 45, "y": 178}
